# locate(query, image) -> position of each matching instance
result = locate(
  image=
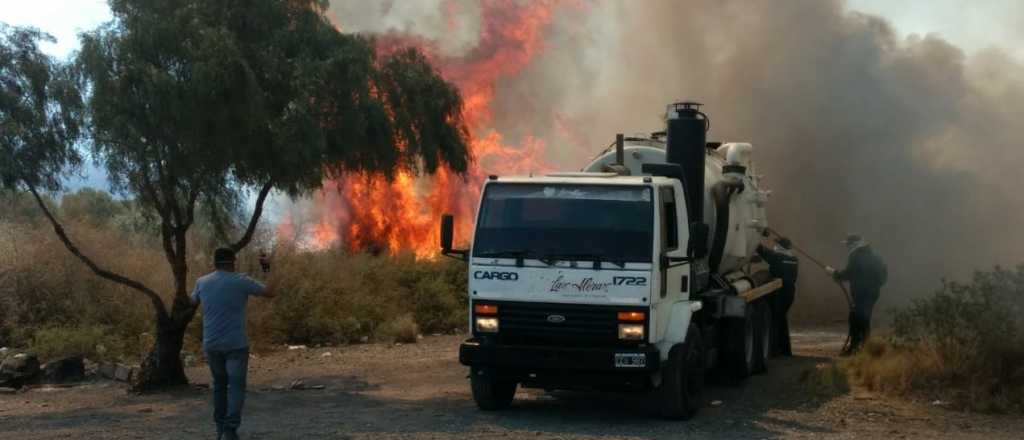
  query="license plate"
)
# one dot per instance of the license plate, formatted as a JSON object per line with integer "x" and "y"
{"x": 630, "y": 360}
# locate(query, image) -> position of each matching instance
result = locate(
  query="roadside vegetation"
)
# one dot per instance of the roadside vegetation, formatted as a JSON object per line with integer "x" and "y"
{"x": 963, "y": 346}
{"x": 56, "y": 307}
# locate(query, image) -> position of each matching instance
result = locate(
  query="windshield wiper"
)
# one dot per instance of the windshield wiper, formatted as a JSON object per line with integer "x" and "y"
{"x": 519, "y": 255}
{"x": 597, "y": 259}
{"x": 503, "y": 254}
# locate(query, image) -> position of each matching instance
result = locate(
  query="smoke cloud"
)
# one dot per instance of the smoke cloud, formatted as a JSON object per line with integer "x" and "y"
{"x": 908, "y": 141}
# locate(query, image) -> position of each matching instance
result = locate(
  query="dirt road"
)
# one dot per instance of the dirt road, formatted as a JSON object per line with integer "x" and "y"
{"x": 419, "y": 391}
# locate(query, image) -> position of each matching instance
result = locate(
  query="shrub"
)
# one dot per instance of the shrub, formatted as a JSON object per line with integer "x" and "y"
{"x": 93, "y": 342}
{"x": 400, "y": 329}
{"x": 332, "y": 296}
{"x": 825, "y": 379}
{"x": 965, "y": 344}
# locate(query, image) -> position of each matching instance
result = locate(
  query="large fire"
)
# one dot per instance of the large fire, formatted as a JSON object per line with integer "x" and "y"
{"x": 366, "y": 212}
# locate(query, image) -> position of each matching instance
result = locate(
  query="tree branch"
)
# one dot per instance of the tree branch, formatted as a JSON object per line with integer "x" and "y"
{"x": 158, "y": 304}
{"x": 256, "y": 213}
{"x": 190, "y": 209}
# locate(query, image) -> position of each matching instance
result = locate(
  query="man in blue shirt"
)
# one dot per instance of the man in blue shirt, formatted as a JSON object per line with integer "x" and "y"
{"x": 223, "y": 295}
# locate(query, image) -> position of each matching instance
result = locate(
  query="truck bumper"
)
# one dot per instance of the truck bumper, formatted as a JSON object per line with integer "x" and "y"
{"x": 540, "y": 359}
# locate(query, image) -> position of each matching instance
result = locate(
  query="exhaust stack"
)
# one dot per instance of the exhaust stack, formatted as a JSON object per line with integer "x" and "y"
{"x": 685, "y": 145}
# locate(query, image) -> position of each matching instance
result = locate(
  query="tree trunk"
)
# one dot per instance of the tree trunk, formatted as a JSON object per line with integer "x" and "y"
{"x": 163, "y": 367}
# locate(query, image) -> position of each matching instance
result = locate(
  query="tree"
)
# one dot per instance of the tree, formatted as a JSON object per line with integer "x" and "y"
{"x": 196, "y": 105}
{"x": 92, "y": 206}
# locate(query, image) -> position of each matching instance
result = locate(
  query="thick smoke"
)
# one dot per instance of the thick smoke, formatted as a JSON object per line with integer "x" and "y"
{"x": 908, "y": 141}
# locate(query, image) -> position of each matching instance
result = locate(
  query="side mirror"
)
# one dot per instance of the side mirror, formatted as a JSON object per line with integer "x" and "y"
{"x": 698, "y": 246}
{"x": 448, "y": 236}
{"x": 447, "y": 232}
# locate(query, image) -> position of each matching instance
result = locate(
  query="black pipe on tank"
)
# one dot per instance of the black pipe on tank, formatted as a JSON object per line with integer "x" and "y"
{"x": 685, "y": 146}
{"x": 620, "y": 149}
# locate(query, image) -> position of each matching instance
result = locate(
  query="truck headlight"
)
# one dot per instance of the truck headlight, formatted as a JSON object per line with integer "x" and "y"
{"x": 631, "y": 332}
{"x": 487, "y": 324}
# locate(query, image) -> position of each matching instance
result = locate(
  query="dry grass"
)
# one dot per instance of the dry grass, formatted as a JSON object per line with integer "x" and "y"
{"x": 400, "y": 329}
{"x": 825, "y": 380}
{"x": 54, "y": 305}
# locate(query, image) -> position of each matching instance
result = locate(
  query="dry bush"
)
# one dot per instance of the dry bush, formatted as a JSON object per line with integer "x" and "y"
{"x": 964, "y": 344}
{"x": 52, "y": 303}
{"x": 47, "y": 295}
{"x": 334, "y": 297}
{"x": 399, "y": 329}
{"x": 825, "y": 380}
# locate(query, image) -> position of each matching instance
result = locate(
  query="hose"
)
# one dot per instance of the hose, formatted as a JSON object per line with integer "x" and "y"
{"x": 846, "y": 293}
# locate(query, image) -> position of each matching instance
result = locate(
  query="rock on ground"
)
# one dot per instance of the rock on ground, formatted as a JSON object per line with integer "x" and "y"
{"x": 67, "y": 370}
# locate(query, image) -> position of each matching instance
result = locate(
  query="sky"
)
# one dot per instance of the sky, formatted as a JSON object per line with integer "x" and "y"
{"x": 63, "y": 19}
{"x": 973, "y": 26}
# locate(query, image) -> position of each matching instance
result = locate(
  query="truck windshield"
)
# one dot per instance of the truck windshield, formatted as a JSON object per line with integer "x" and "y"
{"x": 557, "y": 221}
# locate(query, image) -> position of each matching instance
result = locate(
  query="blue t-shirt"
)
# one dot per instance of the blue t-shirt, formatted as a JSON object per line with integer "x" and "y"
{"x": 223, "y": 296}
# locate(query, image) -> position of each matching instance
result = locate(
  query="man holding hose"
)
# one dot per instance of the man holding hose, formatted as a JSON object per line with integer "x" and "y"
{"x": 866, "y": 273}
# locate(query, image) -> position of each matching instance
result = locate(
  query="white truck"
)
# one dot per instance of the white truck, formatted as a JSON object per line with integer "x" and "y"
{"x": 637, "y": 273}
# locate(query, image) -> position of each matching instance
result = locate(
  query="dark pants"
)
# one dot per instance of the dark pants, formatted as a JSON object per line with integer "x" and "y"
{"x": 860, "y": 322}
{"x": 229, "y": 369}
{"x": 780, "y": 309}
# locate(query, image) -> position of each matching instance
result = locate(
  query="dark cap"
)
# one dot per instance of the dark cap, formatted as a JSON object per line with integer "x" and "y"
{"x": 223, "y": 256}
{"x": 853, "y": 238}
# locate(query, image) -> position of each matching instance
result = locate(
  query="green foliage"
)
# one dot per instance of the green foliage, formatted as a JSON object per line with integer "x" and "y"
{"x": 92, "y": 206}
{"x": 214, "y": 98}
{"x": 40, "y": 112}
{"x": 93, "y": 342}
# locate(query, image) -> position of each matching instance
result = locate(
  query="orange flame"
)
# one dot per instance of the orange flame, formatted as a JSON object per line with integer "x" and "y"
{"x": 367, "y": 212}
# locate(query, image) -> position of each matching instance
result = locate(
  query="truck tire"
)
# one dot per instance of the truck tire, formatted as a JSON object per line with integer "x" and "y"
{"x": 682, "y": 384}
{"x": 765, "y": 337}
{"x": 491, "y": 392}
{"x": 741, "y": 353}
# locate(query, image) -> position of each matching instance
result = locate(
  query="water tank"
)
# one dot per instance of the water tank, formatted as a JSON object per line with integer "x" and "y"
{"x": 732, "y": 161}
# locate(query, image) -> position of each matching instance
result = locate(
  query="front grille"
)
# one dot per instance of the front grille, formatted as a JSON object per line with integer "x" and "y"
{"x": 584, "y": 325}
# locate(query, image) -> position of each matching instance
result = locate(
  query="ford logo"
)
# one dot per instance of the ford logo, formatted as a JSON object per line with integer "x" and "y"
{"x": 556, "y": 319}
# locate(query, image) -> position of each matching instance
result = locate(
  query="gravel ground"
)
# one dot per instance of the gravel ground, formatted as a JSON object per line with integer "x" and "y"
{"x": 419, "y": 391}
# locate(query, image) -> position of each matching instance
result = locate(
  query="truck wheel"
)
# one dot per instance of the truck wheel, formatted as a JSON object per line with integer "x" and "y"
{"x": 742, "y": 350}
{"x": 764, "y": 337}
{"x": 682, "y": 384}
{"x": 490, "y": 392}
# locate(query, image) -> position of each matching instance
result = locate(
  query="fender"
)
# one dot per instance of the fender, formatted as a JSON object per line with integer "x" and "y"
{"x": 678, "y": 324}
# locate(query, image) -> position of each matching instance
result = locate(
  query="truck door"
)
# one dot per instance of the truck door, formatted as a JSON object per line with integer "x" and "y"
{"x": 673, "y": 273}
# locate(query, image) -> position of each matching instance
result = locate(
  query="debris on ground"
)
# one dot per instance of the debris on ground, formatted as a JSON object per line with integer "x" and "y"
{"x": 300, "y": 385}
{"x": 297, "y": 347}
{"x": 17, "y": 369}
{"x": 66, "y": 370}
{"x": 118, "y": 372}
